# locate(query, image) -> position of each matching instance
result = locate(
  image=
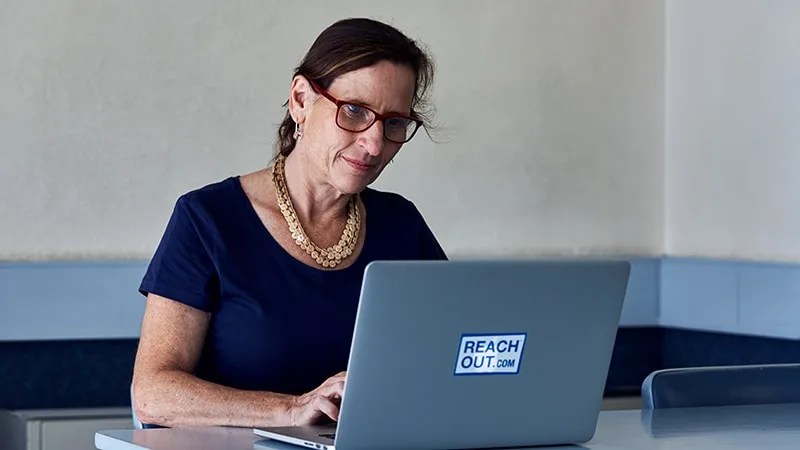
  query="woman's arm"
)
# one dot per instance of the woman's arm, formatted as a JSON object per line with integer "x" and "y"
{"x": 166, "y": 393}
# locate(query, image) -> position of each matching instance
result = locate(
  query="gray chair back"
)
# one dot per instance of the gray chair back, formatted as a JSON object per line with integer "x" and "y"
{"x": 722, "y": 386}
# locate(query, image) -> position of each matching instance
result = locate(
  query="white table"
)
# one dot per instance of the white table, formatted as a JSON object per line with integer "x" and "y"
{"x": 728, "y": 428}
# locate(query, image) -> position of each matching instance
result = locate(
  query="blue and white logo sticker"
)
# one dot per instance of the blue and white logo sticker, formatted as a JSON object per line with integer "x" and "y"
{"x": 484, "y": 354}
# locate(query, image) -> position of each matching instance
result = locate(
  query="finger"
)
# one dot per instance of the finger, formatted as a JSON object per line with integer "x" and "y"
{"x": 327, "y": 407}
{"x": 331, "y": 382}
{"x": 330, "y": 394}
{"x": 332, "y": 385}
{"x": 338, "y": 376}
{"x": 334, "y": 389}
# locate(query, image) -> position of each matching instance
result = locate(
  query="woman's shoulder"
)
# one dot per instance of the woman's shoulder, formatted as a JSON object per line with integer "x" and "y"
{"x": 388, "y": 202}
{"x": 212, "y": 207}
{"x": 402, "y": 224}
{"x": 212, "y": 193}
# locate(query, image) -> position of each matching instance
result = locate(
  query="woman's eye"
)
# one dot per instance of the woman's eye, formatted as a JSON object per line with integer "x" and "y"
{"x": 396, "y": 122}
{"x": 354, "y": 110}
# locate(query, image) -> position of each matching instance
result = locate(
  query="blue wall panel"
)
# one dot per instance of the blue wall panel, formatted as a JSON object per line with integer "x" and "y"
{"x": 68, "y": 331}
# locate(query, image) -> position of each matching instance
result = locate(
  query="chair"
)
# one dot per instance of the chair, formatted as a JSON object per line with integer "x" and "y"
{"x": 721, "y": 386}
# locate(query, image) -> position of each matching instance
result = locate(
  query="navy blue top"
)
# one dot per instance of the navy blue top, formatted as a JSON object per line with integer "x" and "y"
{"x": 277, "y": 324}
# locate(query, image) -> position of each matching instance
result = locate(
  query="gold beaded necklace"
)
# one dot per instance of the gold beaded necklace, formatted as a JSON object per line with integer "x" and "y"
{"x": 326, "y": 257}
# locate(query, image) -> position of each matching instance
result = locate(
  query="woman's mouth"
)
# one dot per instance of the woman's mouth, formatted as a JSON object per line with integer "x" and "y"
{"x": 357, "y": 165}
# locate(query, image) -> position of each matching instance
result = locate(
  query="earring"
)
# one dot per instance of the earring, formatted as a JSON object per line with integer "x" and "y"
{"x": 297, "y": 133}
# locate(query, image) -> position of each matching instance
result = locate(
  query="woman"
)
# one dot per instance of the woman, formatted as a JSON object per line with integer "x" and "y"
{"x": 252, "y": 292}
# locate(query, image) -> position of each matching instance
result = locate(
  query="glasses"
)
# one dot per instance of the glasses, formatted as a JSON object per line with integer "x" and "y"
{"x": 353, "y": 117}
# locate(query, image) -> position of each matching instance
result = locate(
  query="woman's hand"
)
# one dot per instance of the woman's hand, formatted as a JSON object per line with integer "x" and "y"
{"x": 323, "y": 401}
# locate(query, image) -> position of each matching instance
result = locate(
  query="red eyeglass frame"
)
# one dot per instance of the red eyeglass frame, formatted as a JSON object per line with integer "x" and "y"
{"x": 378, "y": 116}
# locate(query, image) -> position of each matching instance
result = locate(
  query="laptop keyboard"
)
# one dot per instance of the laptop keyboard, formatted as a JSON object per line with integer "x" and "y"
{"x": 328, "y": 435}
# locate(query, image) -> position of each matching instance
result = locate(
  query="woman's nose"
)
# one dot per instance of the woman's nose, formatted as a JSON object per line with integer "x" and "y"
{"x": 373, "y": 140}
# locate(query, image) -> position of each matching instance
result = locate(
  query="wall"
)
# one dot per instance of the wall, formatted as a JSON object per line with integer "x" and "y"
{"x": 732, "y": 153}
{"x": 557, "y": 145}
{"x": 568, "y": 127}
{"x": 733, "y": 147}
{"x": 551, "y": 117}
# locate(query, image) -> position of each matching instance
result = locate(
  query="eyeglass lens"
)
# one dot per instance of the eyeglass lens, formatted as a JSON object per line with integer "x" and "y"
{"x": 357, "y": 118}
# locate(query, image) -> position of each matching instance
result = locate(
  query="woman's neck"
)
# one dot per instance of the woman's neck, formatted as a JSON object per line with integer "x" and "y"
{"x": 316, "y": 202}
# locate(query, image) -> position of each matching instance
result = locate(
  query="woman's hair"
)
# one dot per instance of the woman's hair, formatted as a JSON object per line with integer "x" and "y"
{"x": 355, "y": 43}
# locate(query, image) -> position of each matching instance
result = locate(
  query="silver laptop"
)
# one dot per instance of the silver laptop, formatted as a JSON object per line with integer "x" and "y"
{"x": 475, "y": 354}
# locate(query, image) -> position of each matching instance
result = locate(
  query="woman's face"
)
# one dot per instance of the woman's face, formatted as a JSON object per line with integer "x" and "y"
{"x": 349, "y": 161}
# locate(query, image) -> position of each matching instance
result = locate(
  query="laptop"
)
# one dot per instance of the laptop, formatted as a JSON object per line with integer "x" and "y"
{"x": 475, "y": 354}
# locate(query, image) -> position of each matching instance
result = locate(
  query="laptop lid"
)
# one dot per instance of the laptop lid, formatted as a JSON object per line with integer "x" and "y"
{"x": 469, "y": 354}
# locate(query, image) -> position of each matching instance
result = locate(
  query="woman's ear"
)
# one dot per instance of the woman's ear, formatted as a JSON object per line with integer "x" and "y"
{"x": 299, "y": 95}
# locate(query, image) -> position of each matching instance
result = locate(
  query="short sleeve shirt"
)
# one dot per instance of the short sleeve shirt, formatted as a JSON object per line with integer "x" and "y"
{"x": 277, "y": 324}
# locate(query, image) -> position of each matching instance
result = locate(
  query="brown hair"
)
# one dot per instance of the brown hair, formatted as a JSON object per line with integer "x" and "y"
{"x": 352, "y": 44}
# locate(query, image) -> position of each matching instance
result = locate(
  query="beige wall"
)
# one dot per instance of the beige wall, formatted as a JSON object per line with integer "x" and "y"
{"x": 733, "y": 148}
{"x": 551, "y": 113}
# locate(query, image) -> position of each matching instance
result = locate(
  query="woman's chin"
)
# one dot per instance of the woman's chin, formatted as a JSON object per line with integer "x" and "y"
{"x": 352, "y": 184}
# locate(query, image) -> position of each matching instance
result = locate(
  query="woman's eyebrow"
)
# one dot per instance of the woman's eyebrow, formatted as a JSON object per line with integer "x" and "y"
{"x": 361, "y": 102}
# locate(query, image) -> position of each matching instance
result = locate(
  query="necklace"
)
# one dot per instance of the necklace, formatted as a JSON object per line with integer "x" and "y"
{"x": 326, "y": 257}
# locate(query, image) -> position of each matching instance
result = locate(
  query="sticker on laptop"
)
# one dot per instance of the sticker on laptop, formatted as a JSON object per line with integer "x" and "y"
{"x": 490, "y": 354}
